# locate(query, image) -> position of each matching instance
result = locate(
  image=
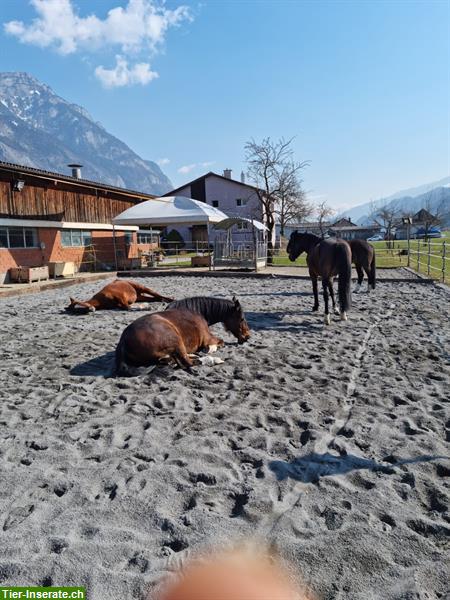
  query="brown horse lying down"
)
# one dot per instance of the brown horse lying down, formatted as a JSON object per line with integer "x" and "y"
{"x": 179, "y": 331}
{"x": 118, "y": 294}
{"x": 172, "y": 334}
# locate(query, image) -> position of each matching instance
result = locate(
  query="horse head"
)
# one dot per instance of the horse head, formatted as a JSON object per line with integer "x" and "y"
{"x": 79, "y": 306}
{"x": 295, "y": 245}
{"x": 236, "y": 323}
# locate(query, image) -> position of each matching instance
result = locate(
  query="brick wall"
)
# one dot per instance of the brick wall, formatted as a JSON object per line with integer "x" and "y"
{"x": 82, "y": 257}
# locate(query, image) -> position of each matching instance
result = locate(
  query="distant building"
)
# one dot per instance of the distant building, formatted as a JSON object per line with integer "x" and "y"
{"x": 235, "y": 198}
{"x": 422, "y": 222}
{"x": 50, "y": 217}
{"x": 344, "y": 228}
{"x": 347, "y": 230}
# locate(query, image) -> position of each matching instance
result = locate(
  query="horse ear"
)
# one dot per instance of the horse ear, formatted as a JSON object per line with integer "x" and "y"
{"x": 72, "y": 300}
{"x": 237, "y": 304}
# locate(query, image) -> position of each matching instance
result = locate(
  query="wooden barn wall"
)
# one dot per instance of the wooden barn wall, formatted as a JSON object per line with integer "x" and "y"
{"x": 59, "y": 203}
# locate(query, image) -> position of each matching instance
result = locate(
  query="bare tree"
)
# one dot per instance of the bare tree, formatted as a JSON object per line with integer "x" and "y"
{"x": 267, "y": 160}
{"x": 432, "y": 219}
{"x": 386, "y": 215}
{"x": 291, "y": 204}
{"x": 323, "y": 213}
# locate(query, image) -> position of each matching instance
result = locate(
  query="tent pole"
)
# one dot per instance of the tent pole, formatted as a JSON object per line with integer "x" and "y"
{"x": 115, "y": 248}
{"x": 211, "y": 256}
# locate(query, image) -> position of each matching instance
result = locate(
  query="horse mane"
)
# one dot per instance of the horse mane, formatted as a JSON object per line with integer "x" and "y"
{"x": 310, "y": 236}
{"x": 214, "y": 310}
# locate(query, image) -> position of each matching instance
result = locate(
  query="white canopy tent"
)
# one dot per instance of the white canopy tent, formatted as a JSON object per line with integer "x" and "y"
{"x": 170, "y": 211}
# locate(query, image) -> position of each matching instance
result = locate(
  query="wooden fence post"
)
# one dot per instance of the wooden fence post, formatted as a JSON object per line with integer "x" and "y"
{"x": 444, "y": 258}
{"x": 418, "y": 256}
{"x": 429, "y": 256}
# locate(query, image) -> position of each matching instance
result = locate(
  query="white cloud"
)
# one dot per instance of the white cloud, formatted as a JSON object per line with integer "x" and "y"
{"x": 163, "y": 162}
{"x": 121, "y": 75}
{"x": 187, "y": 168}
{"x": 139, "y": 27}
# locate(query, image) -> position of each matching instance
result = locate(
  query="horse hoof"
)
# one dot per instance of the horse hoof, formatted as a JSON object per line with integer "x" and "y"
{"x": 212, "y": 348}
{"x": 344, "y": 316}
{"x": 92, "y": 309}
{"x": 337, "y": 311}
{"x": 327, "y": 320}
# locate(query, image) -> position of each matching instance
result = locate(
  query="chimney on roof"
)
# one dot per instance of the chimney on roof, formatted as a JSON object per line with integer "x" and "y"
{"x": 242, "y": 177}
{"x": 76, "y": 170}
{"x": 227, "y": 173}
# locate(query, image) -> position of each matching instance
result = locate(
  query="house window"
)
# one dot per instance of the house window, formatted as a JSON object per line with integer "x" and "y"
{"x": 242, "y": 226}
{"x": 76, "y": 237}
{"x": 215, "y": 203}
{"x": 144, "y": 237}
{"x": 18, "y": 237}
{"x": 238, "y": 201}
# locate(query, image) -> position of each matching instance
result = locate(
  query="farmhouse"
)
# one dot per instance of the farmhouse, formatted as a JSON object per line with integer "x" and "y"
{"x": 233, "y": 197}
{"x": 48, "y": 217}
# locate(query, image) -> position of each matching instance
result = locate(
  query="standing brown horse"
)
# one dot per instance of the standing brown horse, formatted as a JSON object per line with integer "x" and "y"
{"x": 325, "y": 258}
{"x": 178, "y": 332}
{"x": 363, "y": 257}
{"x": 118, "y": 294}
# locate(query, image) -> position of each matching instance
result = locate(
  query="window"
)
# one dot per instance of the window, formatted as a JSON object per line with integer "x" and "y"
{"x": 18, "y": 237}
{"x": 238, "y": 201}
{"x": 215, "y": 203}
{"x": 147, "y": 237}
{"x": 76, "y": 237}
{"x": 242, "y": 226}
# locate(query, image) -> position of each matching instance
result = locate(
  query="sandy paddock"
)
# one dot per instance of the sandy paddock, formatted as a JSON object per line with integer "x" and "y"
{"x": 328, "y": 443}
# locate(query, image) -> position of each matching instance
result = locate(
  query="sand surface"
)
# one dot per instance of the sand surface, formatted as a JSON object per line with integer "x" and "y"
{"x": 331, "y": 444}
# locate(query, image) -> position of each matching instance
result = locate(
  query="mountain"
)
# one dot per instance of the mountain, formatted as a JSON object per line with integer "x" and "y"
{"x": 40, "y": 129}
{"x": 434, "y": 196}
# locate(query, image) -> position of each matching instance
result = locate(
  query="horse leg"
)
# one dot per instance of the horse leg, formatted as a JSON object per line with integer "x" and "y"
{"x": 333, "y": 301}
{"x": 325, "y": 284}
{"x": 360, "y": 278}
{"x": 366, "y": 269}
{"x": 181, "y": 357}
{"x": 315, "y": 292}
{"x": 213, "y": 343}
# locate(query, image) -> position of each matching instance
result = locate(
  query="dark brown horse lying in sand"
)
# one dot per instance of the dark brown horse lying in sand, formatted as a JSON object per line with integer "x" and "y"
{"x": 118, "y": 294}
{"x": 363, "y": 257}
{"x": 325, "y": 258}
{"x": 177, "y": 333}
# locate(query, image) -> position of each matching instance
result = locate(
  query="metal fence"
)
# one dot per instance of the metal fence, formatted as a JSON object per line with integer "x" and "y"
{"x": 427, "y": 257}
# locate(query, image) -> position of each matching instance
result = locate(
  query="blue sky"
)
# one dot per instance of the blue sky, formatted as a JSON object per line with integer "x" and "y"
{"x": 363, "y": 86}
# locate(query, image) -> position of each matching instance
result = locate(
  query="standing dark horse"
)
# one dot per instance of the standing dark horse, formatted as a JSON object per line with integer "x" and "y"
{"x": 363, "y": 256}
{"x": 217, "y": 310}
{"x": 325, "y": 258}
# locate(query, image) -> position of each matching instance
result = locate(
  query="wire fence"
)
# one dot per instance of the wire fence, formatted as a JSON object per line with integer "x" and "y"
{"x": 427, "y": 257}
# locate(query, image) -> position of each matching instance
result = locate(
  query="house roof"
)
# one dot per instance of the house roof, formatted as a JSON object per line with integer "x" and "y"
{"x": 43, "y": 174}
{"x": 356, "y": 227}
{"x": 209, "y": 174}
{"x": 344, "y": 222}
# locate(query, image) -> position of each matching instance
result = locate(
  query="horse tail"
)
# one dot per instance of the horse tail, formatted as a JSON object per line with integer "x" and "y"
{"x": 372, "y": 272}
{"x": 344, "y": 264}
{"x": 123, "y": 369}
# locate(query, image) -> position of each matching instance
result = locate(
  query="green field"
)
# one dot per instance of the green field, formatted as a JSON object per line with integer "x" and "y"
{"x": 390, "y": 255}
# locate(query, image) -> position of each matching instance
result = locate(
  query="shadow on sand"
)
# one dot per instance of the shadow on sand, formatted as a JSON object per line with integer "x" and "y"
{"x": 312, "y": 467}
{"x": 101, "y": 366}
{"x": 275, "y": 320}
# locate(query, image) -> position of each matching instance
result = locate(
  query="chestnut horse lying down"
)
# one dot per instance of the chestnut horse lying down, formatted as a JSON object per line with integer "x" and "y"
{"x": 118, "y": 294}
{"x": 175, "y": 334}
